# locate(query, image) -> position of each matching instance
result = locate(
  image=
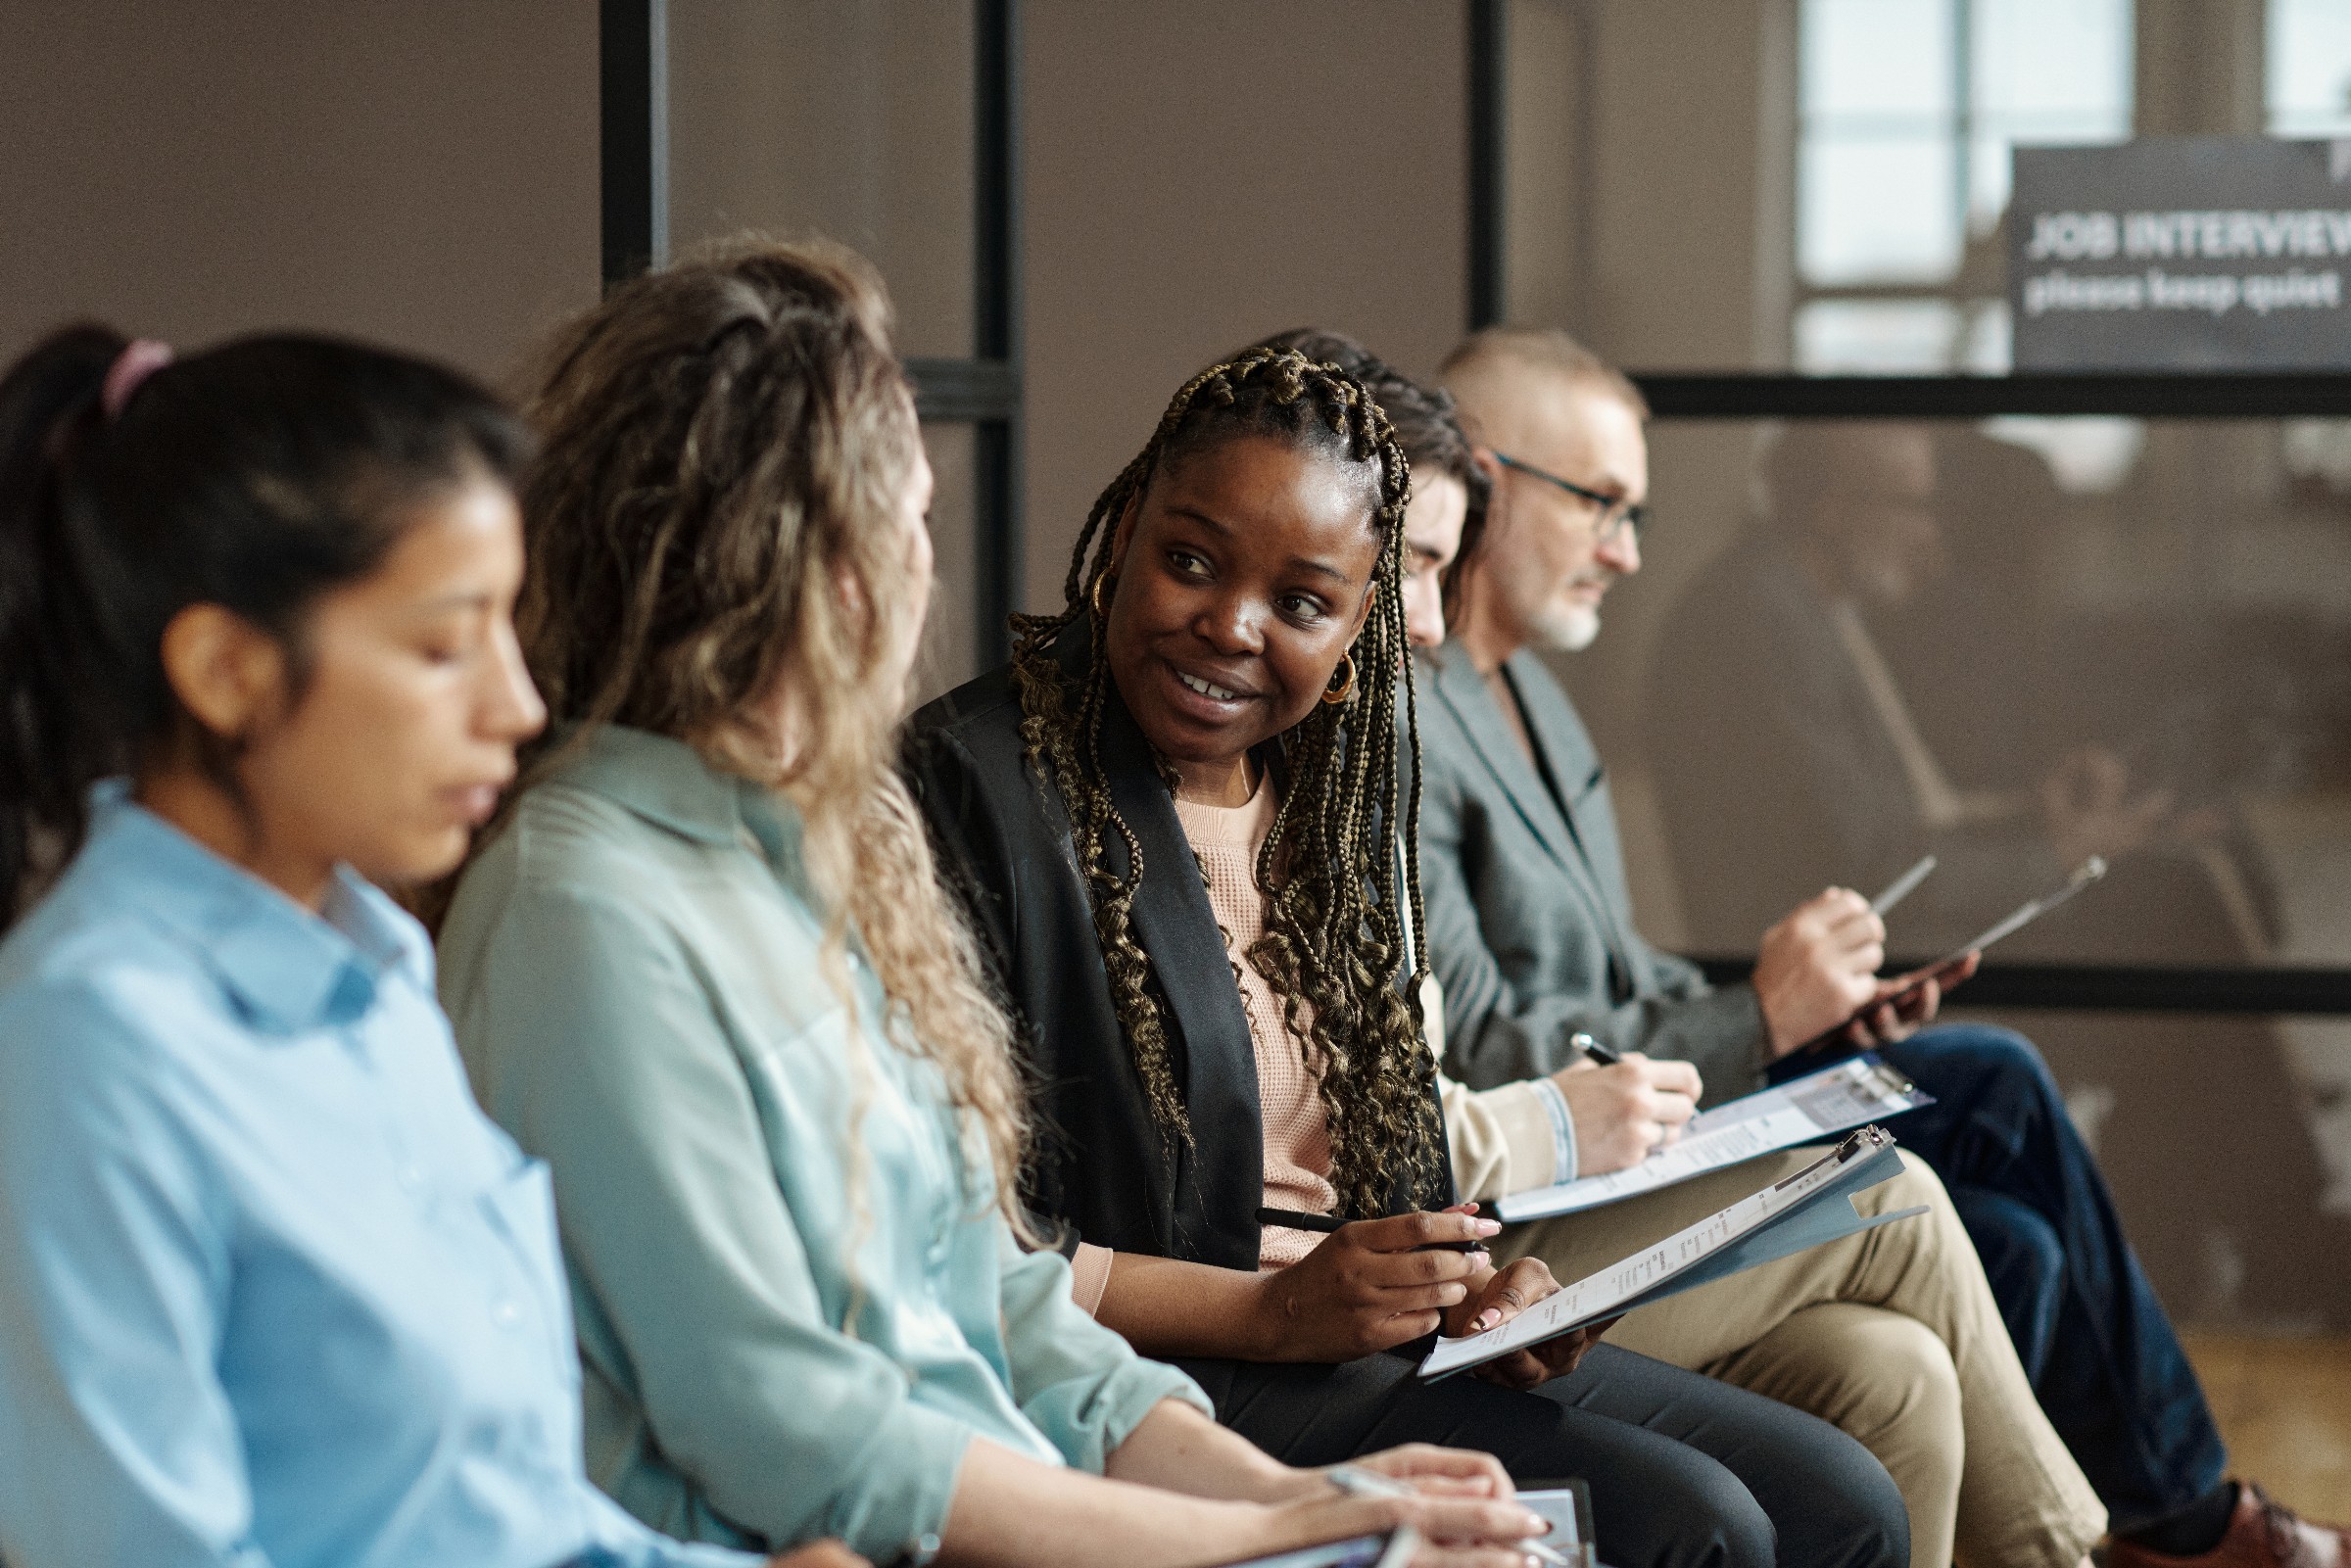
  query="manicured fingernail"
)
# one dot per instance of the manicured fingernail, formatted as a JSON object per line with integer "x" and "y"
{"x": 1486, "y": 1228}
{"x": 1486, "y": 1320}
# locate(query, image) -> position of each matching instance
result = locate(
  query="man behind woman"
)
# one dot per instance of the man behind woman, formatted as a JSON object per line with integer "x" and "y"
{"x": 1217, "y": 704}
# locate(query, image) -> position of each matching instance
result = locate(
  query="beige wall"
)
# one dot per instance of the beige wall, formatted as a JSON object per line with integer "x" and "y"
{"x": 1202, "y": 174}
{"x": 423, "y": 173}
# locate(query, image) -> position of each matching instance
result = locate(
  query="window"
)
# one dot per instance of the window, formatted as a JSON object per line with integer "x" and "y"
{"x": 1908, "y": 108}
{"x": 2309, "y": 89}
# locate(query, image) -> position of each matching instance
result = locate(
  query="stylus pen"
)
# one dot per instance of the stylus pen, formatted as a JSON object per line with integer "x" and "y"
{"x": 1358, "y": 1482}
{"x": 1299, "y": 1219}
{"x": 1606, "y": 1055}
{"x": 1902, "y": 886}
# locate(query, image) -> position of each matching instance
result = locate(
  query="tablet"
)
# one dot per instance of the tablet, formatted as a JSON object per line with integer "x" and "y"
{"x": 1568, "y": 1504}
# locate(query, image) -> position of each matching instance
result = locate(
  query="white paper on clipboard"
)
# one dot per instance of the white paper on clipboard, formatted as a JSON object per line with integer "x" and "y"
{"x": 1863, "y": 1089}
{"x": 1805, "y": 1209}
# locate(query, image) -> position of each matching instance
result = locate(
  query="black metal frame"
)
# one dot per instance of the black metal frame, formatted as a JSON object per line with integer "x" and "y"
{"x": 2296, "y": 396}
{"x": 983, "y": 391}
{"x": 2128, "y": 987}
{"x": 996, "y": 367}
{"x": 633, "y": 124}
{"x": 1487, "y": 197}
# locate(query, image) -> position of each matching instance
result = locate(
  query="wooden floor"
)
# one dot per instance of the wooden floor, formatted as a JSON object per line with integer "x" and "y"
{"x": 2284, "y": 1407}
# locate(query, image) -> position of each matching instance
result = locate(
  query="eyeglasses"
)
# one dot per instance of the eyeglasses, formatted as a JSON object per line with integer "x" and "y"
{"x": 1614, "y": 515}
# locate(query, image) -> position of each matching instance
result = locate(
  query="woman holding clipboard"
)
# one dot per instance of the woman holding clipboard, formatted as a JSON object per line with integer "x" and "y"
{"x": 1172, "y": 817}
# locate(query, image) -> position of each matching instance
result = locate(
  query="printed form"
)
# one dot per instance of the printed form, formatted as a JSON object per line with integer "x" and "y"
{"x": 1846, "y": 1095}
{"x": 1782, "y": 1218}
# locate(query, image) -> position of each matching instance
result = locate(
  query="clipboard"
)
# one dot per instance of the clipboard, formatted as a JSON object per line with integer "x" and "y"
{"x": 1800, "y": 1211}
{"x": 1860, "y": 1090}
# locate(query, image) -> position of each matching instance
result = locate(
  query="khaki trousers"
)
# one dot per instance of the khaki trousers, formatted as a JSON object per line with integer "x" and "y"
{"x": 1890, "y": 1335}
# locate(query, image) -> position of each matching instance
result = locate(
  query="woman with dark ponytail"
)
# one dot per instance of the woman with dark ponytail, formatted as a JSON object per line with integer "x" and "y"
{"x": 271, "y": 1290}
{"x": 1176, "y": 819}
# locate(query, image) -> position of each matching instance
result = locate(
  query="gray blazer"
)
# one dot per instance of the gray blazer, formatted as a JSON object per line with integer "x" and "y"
{"x": 1530, "y": 918}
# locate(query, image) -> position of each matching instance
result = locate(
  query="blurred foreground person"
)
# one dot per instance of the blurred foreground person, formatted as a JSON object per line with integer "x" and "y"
{"x": 272, "y": 1290}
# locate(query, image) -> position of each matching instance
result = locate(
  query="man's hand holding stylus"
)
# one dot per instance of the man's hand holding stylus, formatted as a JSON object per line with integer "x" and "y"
{"x": 1817, "y": 969}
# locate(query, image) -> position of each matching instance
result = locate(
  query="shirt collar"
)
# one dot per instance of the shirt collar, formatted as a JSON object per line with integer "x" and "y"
{"x": 289, "y": 969}
{"x": 668, "y": 784}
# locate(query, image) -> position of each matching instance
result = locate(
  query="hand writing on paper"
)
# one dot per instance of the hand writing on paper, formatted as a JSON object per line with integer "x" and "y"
{"x": 1367, "y": 1288}
{"x": 1818, "y": 967}
{"x": 1501, "y": 1295}
{"x": 1625, "y": 1112}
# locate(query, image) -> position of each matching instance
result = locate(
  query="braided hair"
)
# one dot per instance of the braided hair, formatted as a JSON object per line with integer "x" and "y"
{"x": 1337, "y": 900}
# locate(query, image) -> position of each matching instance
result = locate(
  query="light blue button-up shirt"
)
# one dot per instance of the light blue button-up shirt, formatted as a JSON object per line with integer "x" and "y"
{"x": 273, "y": 1290}
{"x": 632, "y": 967}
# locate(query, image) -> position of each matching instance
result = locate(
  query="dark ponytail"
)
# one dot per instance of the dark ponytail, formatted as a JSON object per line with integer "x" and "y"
{"x": 257, "y": 476}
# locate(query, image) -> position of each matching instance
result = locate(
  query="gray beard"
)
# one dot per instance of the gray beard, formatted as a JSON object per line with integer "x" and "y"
{"x": 1568, "y": 629}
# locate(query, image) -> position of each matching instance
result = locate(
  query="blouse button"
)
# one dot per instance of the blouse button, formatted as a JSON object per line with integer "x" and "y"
{"x": 506, "y": 1313}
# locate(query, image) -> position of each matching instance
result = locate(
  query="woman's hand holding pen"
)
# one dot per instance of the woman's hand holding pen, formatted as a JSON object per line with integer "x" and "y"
{"x": 1369, "y": 1286}
{"x": 1461, "y": 1507}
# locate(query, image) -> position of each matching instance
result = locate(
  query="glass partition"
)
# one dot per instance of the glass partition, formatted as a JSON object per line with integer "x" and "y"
{"x": 849, "y": 119}
{"x": 889, "y": 128}
{"x": 2012, "y": 643}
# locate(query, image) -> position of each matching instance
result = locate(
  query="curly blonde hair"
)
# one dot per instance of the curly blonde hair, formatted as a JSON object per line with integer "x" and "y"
{"x": 711, "y": 522}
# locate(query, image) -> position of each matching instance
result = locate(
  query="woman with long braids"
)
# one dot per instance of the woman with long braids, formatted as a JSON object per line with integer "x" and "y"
{"x": 705, "y": 969}
{"x": 1175, "y": 816}
{"x": 273, "y": 1290}
{"x": 1893, "y": 1336}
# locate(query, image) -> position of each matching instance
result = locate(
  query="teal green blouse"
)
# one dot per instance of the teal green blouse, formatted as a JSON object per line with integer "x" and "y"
{"x": 632, "y": 967}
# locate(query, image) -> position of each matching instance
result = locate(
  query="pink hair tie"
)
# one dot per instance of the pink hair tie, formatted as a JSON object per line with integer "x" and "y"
{"x": 137, "y": 362}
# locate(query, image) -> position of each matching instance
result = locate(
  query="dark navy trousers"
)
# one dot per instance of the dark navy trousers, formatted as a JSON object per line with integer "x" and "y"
{"x": 2095, "y": 1342}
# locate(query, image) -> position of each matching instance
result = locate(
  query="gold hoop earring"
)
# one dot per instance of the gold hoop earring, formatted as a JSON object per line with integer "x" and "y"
{"x": 1345, "y": 689}
{"x": 1095, "y": 598}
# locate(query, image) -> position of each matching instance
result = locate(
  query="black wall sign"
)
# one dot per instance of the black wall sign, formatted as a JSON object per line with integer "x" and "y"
{"x": 2182, "y": 252}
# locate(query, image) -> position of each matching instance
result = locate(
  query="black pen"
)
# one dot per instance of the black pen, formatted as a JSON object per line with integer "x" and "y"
{"x": 1606, "y": 1055}
{"x": 1299, "y": 1219}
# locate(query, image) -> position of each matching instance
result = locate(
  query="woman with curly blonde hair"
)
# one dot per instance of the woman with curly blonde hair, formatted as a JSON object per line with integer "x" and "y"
{"x": 701, "y": 965}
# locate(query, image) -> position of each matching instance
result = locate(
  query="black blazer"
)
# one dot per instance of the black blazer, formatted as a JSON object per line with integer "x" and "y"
{"x": 1102, "y": 1167}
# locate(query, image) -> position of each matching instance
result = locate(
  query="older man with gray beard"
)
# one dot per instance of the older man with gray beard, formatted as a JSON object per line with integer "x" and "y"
{"x": 1531, "y": 935}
